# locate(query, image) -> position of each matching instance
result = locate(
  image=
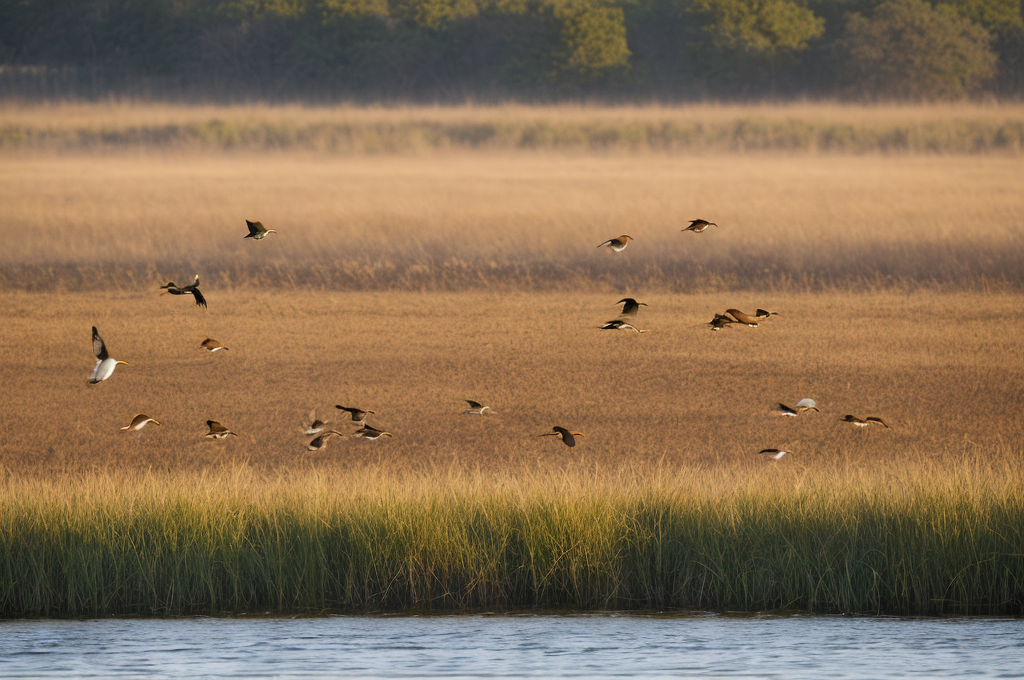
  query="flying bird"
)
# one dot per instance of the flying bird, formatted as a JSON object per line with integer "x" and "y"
{"x": 315, "y": 426}
{"x": 211, "y": 345}
{"x": 321, "y": 441}
{"x": 720, "y": 321}
{"x": 139, "y": 422}
{"x": 620, "y": 325}
{"x": 630, "y": 307}
{"x": 618, "y": 244}
{"x": 217, "y": 431}
{"x": 476, "y": 408}
{"x": 807, "y": 404}
{"x": 772, "y": 454}
{"x": 784, "y": 410}
{"x": 173, "y": 288}
{"x": 104, "y": 364}
{"x": 864, "y": 422}
{"x": 742, "y": 318}
{"x": 257, "y": 231}
{"x": 568, "y": 438}
{"x": 370, "y": 432}
{"x": 194, "y": 289}
{"x": 358, "y": 414}
{"x": 698, "y": 225}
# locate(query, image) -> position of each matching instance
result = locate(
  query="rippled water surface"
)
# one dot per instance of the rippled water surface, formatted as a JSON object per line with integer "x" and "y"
{"x": 516, "y": 646}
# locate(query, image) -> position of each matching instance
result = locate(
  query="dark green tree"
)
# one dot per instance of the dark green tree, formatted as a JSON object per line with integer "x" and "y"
{"x": 908, "y": 49}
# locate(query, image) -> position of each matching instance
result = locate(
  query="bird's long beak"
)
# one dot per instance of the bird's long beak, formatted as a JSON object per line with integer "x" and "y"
{"x": 124, "y": 362}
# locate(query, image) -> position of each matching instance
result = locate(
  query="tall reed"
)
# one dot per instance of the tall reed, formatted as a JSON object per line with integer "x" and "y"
{"x": 929, "y": 541}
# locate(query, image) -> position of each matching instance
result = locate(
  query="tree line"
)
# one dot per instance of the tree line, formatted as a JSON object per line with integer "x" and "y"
{"x": 529, "y": 50}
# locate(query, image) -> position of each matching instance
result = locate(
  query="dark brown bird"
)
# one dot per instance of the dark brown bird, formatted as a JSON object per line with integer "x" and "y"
{"x": 358, "y": 414}
{"x": 568, "y": 438}
{"x": 864, "y": 422}
{"x": 370, "y": 432}
{"x": 764, "y": 313}
{"x": 321, "y": 441}
{"x": 193, "y": 288}
{"x": 772, "y": 454}
{"x": 620, "y": 325}
{"x": 720, "y": 321}
{"x": 257, "y": 231}
{"x": 784, "y": 410}
{"x": 173, "y": 288}
{"x": 697, "y": 226}
{"x": 618, "y": 244}
{"x": 476, "y": 408}
{"x": 630, "y": 307}
{"x": 211, "y": 345}
{"x": 217, "y": 431}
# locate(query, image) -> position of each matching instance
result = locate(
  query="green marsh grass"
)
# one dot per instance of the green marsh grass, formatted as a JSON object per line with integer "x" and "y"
{"x": 923, "y": 539}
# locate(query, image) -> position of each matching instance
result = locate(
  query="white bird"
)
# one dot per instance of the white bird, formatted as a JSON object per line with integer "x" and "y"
{"x": 104, "y": 364}
{"x": 139, "y": 422}
{"x": 807, "y": 404}
{"x": 476, "y": 408}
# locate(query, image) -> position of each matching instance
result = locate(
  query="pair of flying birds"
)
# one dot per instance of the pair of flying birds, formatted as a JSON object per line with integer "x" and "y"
{"x": 619, "y": 244}
{"x": 256, "y": 231}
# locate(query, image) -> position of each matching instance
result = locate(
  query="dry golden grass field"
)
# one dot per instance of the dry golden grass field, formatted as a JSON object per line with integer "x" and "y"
{"x": 405, "y": 283}
{"x": 944, "y": 370}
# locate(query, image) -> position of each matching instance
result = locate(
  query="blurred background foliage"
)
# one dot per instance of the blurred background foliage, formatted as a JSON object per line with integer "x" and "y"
{"x": 496, "y": 50}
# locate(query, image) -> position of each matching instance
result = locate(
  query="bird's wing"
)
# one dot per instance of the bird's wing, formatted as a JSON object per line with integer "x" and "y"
{"x": 474, "y": 404}
{"x": 98, "y": 347}
{"x": 876, "y": 419}
{"x": 200, "y": 300}
{"x": 254, "y": 227}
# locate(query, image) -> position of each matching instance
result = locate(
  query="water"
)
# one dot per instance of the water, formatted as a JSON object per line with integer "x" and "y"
{"x": 516, "y": 647}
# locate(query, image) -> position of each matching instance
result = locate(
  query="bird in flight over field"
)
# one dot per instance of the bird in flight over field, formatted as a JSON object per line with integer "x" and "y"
{"x": 864, "y": 422}
{"x": 568, "y": 438}
{"x": 618, "y": 244}
{"x": 807, "y": 404}
{"x": 358, "y": 414}
{"x": 720, "y": 321}
{"x": 784, "y": 410}
{"x": 742, "y": 318}
{"x": 698, "y": 225}
{"x": 104, "y": 364}
{"x": 772, "y": 454}
{"x": 630, "y": 307}
{"x": 217, "y": 431}
{"x": 139, "y": 422}
{"x": 620, "y": 325}
{"x": 257, "y": 231}
{"x": 476, "y": 408}
{"x": 370, "y": 432}
{"x": 321, "y": 441}
{"x": 211, "y": 345}
{"x": 315, "y": 426}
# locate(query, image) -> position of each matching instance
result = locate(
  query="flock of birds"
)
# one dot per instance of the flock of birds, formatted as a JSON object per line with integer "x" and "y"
{"x": 317, "y": 428}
